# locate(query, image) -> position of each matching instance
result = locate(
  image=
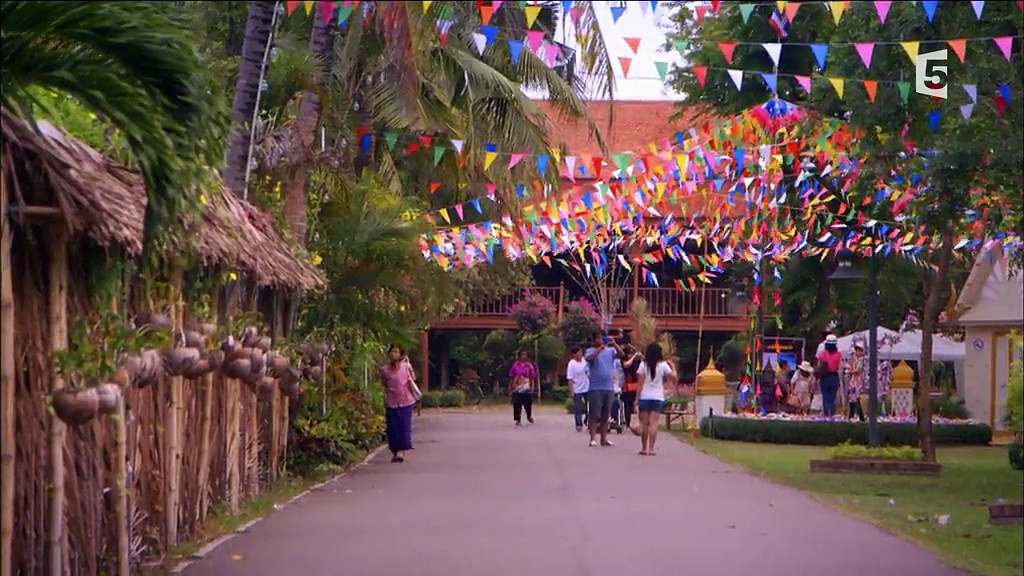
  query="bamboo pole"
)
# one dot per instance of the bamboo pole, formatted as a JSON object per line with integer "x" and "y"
{"x": 232, "y": 398}
{"x": 6, "y": 380}
{"x": 57, "y": 308}
{"x": 205, "y": 422}
{"x": 275, "y": 394}
{"x": 173, "y": 425}
{"x": 252, "y": 443}
{"x": 120, "y": 471}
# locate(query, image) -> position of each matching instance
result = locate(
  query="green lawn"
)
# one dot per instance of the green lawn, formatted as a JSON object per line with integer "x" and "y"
{"x": 971, "y": 479}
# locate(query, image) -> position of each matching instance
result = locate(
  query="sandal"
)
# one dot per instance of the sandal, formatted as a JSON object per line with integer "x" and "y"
{"x": 642, "y": 453}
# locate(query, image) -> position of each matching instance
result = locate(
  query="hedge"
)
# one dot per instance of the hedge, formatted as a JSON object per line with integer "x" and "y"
{"x": 832, "y": 433}
{"x": 443, "y": 399}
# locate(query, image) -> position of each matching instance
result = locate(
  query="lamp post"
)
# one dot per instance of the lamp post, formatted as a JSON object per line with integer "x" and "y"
{"x": 846, "y": 272}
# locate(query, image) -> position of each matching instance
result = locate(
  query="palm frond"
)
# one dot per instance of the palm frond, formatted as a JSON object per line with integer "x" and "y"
{"x": 131, "y": 63}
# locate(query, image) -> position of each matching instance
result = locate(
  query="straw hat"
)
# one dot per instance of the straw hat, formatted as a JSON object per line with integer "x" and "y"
{"x": 805, "y": 366}
{"x": 831, "y": 339}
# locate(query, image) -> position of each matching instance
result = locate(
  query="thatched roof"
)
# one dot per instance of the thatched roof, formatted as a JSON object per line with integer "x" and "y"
{"x": 104, "y": 200}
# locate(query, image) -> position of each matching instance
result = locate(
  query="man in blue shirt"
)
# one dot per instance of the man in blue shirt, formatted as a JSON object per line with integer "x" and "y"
{"x": 601, "y": 359}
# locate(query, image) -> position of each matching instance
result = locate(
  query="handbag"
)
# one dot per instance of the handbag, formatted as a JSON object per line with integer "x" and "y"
{"x": 416, "y": 393}
{"x": 821, "y": 369}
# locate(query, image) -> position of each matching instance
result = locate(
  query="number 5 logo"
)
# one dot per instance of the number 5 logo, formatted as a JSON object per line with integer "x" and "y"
{"x": 930, "y": 74}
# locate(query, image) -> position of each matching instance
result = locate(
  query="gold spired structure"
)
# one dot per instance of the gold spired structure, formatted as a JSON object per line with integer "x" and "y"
{"x": 902, "y": 389}
{"x": 711, "y": 391}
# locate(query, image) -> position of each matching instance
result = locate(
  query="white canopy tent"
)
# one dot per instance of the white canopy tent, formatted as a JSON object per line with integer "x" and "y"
{"x": 909, "y": 348}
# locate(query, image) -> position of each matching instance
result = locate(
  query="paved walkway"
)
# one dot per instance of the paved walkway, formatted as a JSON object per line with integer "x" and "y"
{"x": 481, "y": 497}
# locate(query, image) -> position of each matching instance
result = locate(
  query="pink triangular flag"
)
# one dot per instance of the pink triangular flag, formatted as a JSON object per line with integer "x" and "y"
{"x": 625, "y": 62}
{"x": 728, "y": 49}
{"x": 327, "y": 11}
{"x": 1005, "y": 44}
{"x": 534, "y": 39}
{"x": 702, "y": 11}
{"x": 805, "y": 83}
{"x": 865, "y": 50}
{"x": 458, "y": 210}
{"x": 633, "y": 43}
{"x": 516, "y": 159}
{"x": 883, "y": 10}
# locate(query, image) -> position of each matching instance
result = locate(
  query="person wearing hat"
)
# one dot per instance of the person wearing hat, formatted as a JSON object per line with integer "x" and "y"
{"x": 829, "y": 363}
{"x": 856, "y": 375}
{"x": 801, "y": 387}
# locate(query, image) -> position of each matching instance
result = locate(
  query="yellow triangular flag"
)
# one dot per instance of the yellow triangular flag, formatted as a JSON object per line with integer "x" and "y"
{"x": 444, "y": 214}
{"x": 426, "y": 5}
{"x": 911, "y": 48}
{"x": 489, "y": 159}
{"x": 837, "y": 10}
{"x": 309, "y": 7}
{"x": 531, "y": 15}
{"x": 781, "y": 4}
{"x": 837, "y": 83}
{"x": 557, "y": 154}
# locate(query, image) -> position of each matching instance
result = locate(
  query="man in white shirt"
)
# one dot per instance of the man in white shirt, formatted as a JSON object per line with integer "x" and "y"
{"x": 579, "y": 384}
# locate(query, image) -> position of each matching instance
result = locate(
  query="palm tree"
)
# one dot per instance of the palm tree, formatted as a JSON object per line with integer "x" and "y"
{"x": 255, "y": 53}
{"x": 132, "y": 64}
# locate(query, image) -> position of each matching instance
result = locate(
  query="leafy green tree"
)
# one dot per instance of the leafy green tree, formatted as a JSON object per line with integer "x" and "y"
{"x": 132, "y": 64}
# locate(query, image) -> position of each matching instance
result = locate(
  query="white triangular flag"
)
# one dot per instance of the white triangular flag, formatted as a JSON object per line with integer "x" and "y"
{"x": 737, "y": 78}
{"x": 480, "y": 41}
{"x": 972, "y": 91}
{"x": 458, "y": 145}
{"x": 966, "y": 110}
{"x": 774, "y": 50}
{"x": 978, "y": 7}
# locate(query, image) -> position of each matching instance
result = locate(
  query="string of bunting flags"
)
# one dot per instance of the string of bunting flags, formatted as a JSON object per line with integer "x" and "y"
{"x": 837, "y": 9}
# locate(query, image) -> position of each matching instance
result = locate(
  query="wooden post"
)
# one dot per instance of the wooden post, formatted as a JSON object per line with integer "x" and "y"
{"x": 7, "y": 412}
{"x": 561, "y": 301}
{"x": 206, "y": 421}
{"x": 425, "y": 360}
{"x": 252, "y": 443}
{"x": 275, "y": 395}
{"x": 119, "y": 468}
{"x": 57, "y": 307}
{"x": 173, "y": 425}
{"x": 232, "y": 399}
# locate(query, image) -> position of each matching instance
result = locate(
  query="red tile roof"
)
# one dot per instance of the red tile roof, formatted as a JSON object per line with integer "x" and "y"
{"x": 636, "y": 126}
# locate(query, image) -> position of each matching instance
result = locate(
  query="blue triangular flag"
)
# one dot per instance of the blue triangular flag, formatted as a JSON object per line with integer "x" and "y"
{"x": 476, "y": 204}
{"x": 772, "y": 80}
{"x": 654, "y": 6}
{"x": 542, "y": 164}
{"x": 929, "y": 9}
{"x": 516, "y": 48}
{"x": 1004, "y": 89}
{"x": 820, "y": 53}
{"x": 617, "y": 12}
{"x": 489, "y": 32}
{"x": 566, "y": 5}
{"x": 933, "y": 118}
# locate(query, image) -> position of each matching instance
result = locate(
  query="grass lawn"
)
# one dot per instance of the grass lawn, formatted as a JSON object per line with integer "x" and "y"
{"x": 972, "y": 478}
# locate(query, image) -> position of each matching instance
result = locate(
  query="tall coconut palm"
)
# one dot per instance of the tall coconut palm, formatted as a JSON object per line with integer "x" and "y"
{"x": 252, "y": 69}
{"x": 131, "y": 63}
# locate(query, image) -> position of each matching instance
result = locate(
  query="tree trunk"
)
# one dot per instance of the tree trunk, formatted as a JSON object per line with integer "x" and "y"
{"x": 57, "y": 305}
{"x": 929, "y": 317}
{"x": 205, "y": 422}
{"x": 232, "y": 400}
{"x": 120, "y": 472}
{"x": 7, "y": 413}
{"x": 296, "y": 193}
{"x": 258, "y": 30}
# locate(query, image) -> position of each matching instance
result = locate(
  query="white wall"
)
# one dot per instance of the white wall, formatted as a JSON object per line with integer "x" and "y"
{"x": 977, "y": 389}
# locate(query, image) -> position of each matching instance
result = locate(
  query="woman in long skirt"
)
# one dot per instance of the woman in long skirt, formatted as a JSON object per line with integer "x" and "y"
{"x": 399, "y": 400}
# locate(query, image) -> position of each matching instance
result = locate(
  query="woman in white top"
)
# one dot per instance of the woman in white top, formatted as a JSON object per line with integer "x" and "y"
{"x": 652, "y": 374}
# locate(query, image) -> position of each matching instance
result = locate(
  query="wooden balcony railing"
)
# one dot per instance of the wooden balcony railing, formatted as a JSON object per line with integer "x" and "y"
{"x": 661, "y": 302}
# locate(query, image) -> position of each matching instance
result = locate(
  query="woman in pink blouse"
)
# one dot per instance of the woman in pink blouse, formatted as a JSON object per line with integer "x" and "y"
{"x": 523, "y": 384}
{"x": 399, "y": 401}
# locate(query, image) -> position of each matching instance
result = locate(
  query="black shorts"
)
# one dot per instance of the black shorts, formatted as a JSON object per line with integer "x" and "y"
{"x": 599, "y": 405}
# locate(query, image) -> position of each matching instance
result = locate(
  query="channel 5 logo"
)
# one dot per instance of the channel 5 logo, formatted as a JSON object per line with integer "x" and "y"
{"x": 930, "y": 74}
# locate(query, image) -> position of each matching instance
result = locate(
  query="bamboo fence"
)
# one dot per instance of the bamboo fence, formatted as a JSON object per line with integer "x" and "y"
{"x": 102, "y": 496}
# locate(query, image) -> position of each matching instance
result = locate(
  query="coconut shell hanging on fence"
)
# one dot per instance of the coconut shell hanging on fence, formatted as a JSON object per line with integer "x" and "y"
{"x": 314, "y": 373}
{"x": 194, "y": 339}
{"x": 229, "y": 345}
{"x": 265, "y": 384}
{"x": 203, "y": 328}
{"x": 277, "y": 364}
{"x": 109, "y": 396}
{"x": 215, "y": 359}
{"x": 121, "y": 378}
{"x": 153, "y": 321}
{"x": 179, "y": 360}
{"x": 289, "y": 382}
{"x": 250, "y": 336}
{"x": 145, "y": 369}
{"x": 263, "y": 343}
{"x": 258, "y": 359}
{"x": 239, "y": 368}
{"x": 197, "y": 370}
{"x": 76, "y": 406}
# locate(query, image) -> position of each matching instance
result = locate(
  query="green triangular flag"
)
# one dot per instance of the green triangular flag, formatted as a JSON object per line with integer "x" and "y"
{"x": 391, "y": 138}
{"x": 621, "y": 160}
{"x": 438, "y": 153}
{"x": 745, "y": 11}
{"x": 904, "y": 90}
{"x": 681, "y": 45}
{"x": 662, "y": 69}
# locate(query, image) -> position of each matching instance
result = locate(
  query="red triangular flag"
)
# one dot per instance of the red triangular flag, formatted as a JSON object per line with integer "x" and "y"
{"x": 434, "y": 186}
{"x": 727, "y": 48}
{"x": 791, "y": 8}
{"x": 327, "y": 10}
{"x": 485, "y": 14}
{"x": 292, "y": 6}
{"x": 702, "y": 74}
{"x": 633, "y": 43}
{"x": 702, "y": 10}
{"x": 715, "y": 5}
{"x": 872, "y": 87}
{"x": 598, "y": 162}
{"x": 959, "y": 46}
{"x": 625, "y": 62}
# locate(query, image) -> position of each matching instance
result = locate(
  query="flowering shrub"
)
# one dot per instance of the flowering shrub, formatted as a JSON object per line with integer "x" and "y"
{"x": 581, "y": 322}
{"x": 534, "y": 313}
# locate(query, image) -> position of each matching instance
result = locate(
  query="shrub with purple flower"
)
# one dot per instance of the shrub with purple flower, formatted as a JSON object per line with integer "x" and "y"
{"x": 534, "y": 313}
{"x": 581, "y": 322}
